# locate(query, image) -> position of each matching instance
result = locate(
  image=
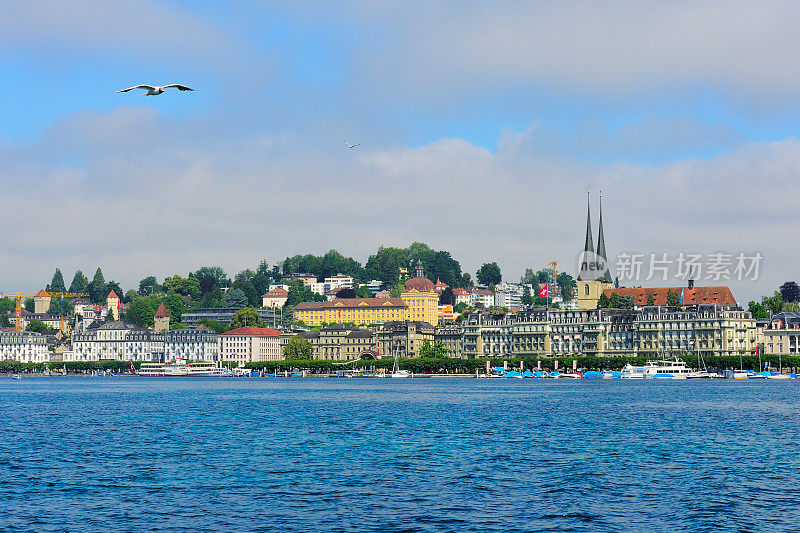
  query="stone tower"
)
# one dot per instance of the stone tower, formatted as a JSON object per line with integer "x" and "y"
{"x": 112, "y": 304}
{"x": 41, "y": 302}
{"x": 162, "y": 319}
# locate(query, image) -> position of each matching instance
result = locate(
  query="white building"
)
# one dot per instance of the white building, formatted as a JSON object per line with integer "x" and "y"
{"x": 117, "y": 341}
{"x": 247, "y": 345}
{"x": 333, "y": 283}
{"x": 482, "y": 297}
{"x": 23, "y": 347}
{"x": 462, "y": 296}
{"x": 191, "y": 345}
{"x": 508, "y": 294}
{"x": 275, "y": 298}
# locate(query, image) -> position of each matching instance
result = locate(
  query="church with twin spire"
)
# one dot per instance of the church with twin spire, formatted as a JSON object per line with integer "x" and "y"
{"x": 593, "y": 275}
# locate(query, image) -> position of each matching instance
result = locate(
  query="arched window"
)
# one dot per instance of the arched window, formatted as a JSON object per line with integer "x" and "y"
{"x": 586, "y": 290}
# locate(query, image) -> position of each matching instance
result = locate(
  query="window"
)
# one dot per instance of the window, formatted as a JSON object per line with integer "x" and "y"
{"x": 586, "y": 290}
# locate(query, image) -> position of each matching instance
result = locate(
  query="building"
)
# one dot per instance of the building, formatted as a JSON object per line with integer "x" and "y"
{"x": 341, "y": 342}
{"x": 374, "y": 286}
{"x": 41, "y": 302}
{"x": 332, "y": 284}
{"x": 191, "y": 345}
{"x": 404, "y": 338}
{"x": 23, "y": 347}
{"x": 452, "y": 338}
{"x": 275, "y": 298}
{"x": 222, "y": 315}
{"x": 419, "y": 293}
{"x": 52, "y": 322}
{"x": 113, "y": 304}
{"x": 351, "y": 310}
{"x": 305, "y": 277}
{"x": 462, "y": 296}
{"x": 248, "y": 345}
{"x": 481, "y": 298}
{"x": 445, "y": 313}
{"x": 440, "y": 286}
{"x": 782, "y": 334}
{"x": 508, "y": 294}
{"x": 594, "y": 276}
{"x": 161, "y": 319}
{"x": 117, "y": 341}
{"x": 687, "y": 295}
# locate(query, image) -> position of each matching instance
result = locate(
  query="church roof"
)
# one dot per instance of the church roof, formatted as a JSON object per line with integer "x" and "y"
{"x": 421, "y": 284}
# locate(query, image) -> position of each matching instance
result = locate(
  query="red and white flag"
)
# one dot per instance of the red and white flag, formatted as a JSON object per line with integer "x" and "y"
{"x": 543, "y": 292}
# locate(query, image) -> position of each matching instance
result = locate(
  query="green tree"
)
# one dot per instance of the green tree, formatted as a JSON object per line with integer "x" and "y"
{"x": 363, "y": 292}
{"x": 603, "y": 302}
{"x": 566, "y": 285}
{"x": 489, "y": 274}
{"x": 114, "y": 286}
{"x": 613, "y": 301}
{"x": 651, "y": 299}
{"x": 57, "y": 283}
{"x": 59, "y": 306}
{"x": 215, "y": 272}
{"x": 246, "y": 317}
{"x": 627, "y": 302}
{"x": 131, "y": 295}
{"x": 142, "y": 311}
{"x": 184, "y": 286}
{"x": 758, "y": 311}
{"x": 774, "y": 303}
{"x": 297, "y": 348}
{"x": 149, "y": 286}
{"x": 460, "y": 307}
{"x": 346, "y": 293}
{"x": 80, "y": 283}
{"x": 235, "y": 298}
{"x": 298, "y": 292}
{"x": 97, "y": 287}
{"x": 527, "y": 298}
{"x": 7, "y": 305}
{"x": 213, "y": 325}
{"x": 28, "y": 304}
{"x": 38, "y": 326}
{"x": 213, "y": 299}
{"x": 673, "y": 299}
{"x": 435, "y": 350}
{"x": 790, "y": 291}
{"x": 175, "y": 304}
{"x": 447, "y": 297}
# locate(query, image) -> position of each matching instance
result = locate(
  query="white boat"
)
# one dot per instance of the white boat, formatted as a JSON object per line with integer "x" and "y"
{"x": 660, "y": 369}
{"x": 396, "y": 371}
{"x": 180, "y": 368}
{"x": 16, "y": 376}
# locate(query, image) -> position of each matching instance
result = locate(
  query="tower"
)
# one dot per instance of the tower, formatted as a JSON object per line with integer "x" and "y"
{"x": 161, "y": 319}
{"x": 601, "y": 246}
{"x": 420, "y": 272}
{"x": 41, "y": 302}
{"x": 112, "y": 304}
{"x": 593, "y": 276}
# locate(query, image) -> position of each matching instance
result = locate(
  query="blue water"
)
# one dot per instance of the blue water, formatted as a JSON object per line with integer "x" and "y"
{"x": 132, "y": 454}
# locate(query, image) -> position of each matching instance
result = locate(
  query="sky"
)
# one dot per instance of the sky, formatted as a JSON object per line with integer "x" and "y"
{"x": 480, "y": 126}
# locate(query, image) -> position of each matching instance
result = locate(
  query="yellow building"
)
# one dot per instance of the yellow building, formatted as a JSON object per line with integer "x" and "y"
{"x": 352, "y": 310}
{"x": 420, "y": 295}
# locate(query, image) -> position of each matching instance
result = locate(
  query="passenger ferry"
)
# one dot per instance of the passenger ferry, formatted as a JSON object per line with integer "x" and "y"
{"x": 660, "y": 369}
{"x": 180, "y": 368}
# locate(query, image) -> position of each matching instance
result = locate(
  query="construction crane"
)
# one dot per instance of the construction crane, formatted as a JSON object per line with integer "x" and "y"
{"x": 18, "y": 296}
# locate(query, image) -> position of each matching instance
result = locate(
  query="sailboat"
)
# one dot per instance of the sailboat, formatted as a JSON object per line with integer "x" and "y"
{"x": 396, "y": 372}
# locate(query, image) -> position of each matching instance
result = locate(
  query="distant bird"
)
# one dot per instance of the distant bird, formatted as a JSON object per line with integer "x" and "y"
{"x": 154, "y": 90}
{"x": 351, "y": 146}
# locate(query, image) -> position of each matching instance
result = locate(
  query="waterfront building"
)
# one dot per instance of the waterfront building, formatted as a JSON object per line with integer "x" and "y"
{"x": 23, "y": 347}
{"x": 192, "y": 318}
{"x": 419, "y": 293}
{"x": 246, "y": 345}
{"x": 275, "y": 298}
{"x": 782, "y": 334}
{"x": 161, "y": 319}
{"x": 117, "y": 341}
{"x": 452, "y": 338}
{"x": 351, "y": 310}
{"x": 192, "y": 345}
{"x": 340, "y": 342}
{"x": 404, "y": 338}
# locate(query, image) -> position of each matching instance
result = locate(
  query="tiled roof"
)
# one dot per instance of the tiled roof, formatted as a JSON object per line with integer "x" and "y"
{"x": 42, "y": 294}
{"x": 460, "y": 292}
{"x": 421, "y": 284}
{"x": 697, "y": 296}
{"x": 258, "y": 332}
{"x": 352, "y": 303}
{"x": 162, "y": 311}
{"x": 112, "y": 294}
{"x": 277, "y": 293}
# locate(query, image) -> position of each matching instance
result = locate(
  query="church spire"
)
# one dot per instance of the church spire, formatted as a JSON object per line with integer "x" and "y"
{"x": 589, "y": 246}
{"x": 601, "y": 244}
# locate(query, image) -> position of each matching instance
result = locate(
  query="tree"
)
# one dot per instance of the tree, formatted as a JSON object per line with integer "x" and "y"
{"x": 7, "y": 305}
{"x": 651, "y": 299}
{"x": 213, "y": 325}
{"x": 613, "y": 301}
{"x": 363, "y": 292}
{"x": 38, "y": 326}
{"x": 97, "y": 287}
{"x": 57, "y": 283}
{"x": 790, "y": 291}
{"x": 59, "y": 306}
{"x": 28, "y": 304}
{"x": 527, "y": 298}
{"x": 131, "y": 295}
{"x": 447, "y": 297}
{"x": 346, "y": 293}
{"x": 566, "y": 285}
{"x": 774, "y": 303}
{"x": 175, "y": 304}
{"x": 189, "y": 286}
{"x": 460, "y": 307}
{"x": 246, "y": 317}
{"x": 489, "y": 274}
{"x": 673, "y": 299}
{"x": 435, "y": 350}
{"x": 627, "y": 302}
{"x": 80, "y": 283}
{"x": 235, "y": 298}
{"x": 149, "y": 285}
{"x": 114, "y": 286}
{"x": 298, "y": 347}
{"x": 757, "y": 310}
{"x": 603, "y": 302}
{"x": 299, "y": 292}
{"x": 142, "y": 311}
{"x": 215, "y": 272}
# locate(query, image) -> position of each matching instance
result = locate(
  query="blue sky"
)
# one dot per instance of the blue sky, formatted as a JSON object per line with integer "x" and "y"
{"x": 685, "y": 113}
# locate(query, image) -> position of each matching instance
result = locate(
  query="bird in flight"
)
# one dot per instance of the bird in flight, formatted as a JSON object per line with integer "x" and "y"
{"x": 151, "y": 90}
{"x": 351, "y": 146}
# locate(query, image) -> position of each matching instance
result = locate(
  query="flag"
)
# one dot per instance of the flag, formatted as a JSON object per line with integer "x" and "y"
{"x": 543, "y": 292}
{"x": 682, "y": 292}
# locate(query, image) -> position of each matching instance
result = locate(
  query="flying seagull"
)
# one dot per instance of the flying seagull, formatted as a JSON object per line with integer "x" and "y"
{"x": 154, "y": 90}
{"x": 351, "y": 146}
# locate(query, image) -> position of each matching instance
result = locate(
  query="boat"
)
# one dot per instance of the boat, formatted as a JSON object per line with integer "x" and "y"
{"x": 512, "y": 374}
{"x": 16, "y": 376}
{"x": 630, "y": 371}
{"x": 180, "y": 368}
{"x": 777, "y": 375}
{"x": 660, "y": 369}
{"x": 592, "y": 374}
{"x": 396, "y": 371}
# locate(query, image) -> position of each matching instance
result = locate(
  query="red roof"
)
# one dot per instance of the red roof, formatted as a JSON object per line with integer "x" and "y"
{"x": 162, "y": 311}
{"x": 112, "y": 294}
{"x": 460, "y": 292}
{"x": 257, "y": 332}
{"x": 277, "y": 293}
{"x": 697, "y": 296}
{"x": 421, "y": 284}
{"x": 41, "y": 294}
